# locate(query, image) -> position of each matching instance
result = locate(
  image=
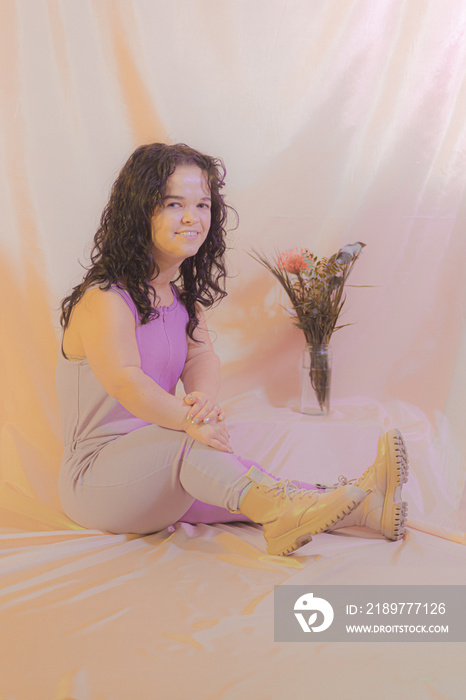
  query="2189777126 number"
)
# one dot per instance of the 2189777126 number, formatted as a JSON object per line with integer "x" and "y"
{"x": 410, "y": 608}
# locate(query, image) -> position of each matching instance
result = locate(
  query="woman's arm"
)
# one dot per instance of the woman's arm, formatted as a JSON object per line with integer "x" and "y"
{"x": 202, "y": 369}
{"x": 201, "y": 375}
{"x": 106, "y": 328}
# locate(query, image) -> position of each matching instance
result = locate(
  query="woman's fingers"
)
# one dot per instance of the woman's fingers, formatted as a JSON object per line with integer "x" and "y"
{"x": 216, "y": 444}
{"x": 219, "y": 436}
{"x": 202, "y": 409}
{"x": 225, "y": 440}
{"x": 196, "y": 410}
{"x": 213, "y": 415}
{"x": 209, "y": 413}
{"x": 212, "y": 434}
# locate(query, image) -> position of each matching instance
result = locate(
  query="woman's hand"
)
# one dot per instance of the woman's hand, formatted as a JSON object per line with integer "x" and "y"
{"x": 203, "y": 409}
{"x": 213, "y": 434}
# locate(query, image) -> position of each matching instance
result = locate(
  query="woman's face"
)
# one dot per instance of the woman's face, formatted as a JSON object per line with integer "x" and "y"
{"x": 181, "y": 223}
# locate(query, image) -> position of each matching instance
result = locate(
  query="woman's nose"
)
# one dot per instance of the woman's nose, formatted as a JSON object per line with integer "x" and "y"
{"x": 189, "y": 215}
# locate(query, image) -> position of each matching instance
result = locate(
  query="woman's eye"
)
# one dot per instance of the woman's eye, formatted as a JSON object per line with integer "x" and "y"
{"x": 173, "y": 204}
{"x": 204, "y": 206}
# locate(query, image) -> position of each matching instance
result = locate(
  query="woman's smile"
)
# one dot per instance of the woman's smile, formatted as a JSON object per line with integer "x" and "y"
{"x": 188, "y": 234}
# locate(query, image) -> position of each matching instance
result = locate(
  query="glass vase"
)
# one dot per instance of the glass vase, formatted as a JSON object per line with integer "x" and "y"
{"x": 315, "y": 380}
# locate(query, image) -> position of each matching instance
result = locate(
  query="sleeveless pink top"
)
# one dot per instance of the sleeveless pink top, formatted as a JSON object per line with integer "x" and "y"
{"x": 90, "y": 417}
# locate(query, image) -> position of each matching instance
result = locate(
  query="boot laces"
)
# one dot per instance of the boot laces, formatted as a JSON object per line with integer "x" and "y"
{"x": 342, "y": 481}
{"x": 289, "y": 489}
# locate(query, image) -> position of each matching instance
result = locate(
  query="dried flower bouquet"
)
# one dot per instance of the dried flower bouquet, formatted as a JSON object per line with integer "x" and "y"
{"x": 316, "y": 290}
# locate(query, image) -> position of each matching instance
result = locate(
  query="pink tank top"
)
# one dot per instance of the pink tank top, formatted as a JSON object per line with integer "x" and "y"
{"x": 89, "y": 416}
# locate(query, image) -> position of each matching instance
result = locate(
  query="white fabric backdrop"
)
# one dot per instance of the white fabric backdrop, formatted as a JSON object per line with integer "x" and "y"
{"x": 338, "y": 121}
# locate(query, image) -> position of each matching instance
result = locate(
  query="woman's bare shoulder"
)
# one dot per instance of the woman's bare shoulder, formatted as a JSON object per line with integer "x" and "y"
{"x": 105, "y": 303}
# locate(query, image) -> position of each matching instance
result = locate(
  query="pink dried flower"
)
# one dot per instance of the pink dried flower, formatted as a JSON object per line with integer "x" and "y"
{"x": 293, "y": 261}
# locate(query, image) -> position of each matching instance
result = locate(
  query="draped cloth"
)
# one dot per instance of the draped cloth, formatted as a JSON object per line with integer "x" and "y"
{"x": 339, "y": 121}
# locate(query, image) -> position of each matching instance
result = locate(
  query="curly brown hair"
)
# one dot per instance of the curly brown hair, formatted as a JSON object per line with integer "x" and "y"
{"x": 123, "y": 250}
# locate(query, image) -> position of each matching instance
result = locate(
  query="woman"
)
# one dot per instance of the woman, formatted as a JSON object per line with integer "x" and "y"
{"x": 137, "y": 457}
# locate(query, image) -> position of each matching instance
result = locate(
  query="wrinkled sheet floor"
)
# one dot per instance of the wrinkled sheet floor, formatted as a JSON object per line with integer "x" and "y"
{"x": 188, "y": 612}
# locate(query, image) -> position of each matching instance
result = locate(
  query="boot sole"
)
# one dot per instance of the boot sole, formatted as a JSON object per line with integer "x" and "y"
{"x": 293, "y": 540}
{"x": 394, "y": 510}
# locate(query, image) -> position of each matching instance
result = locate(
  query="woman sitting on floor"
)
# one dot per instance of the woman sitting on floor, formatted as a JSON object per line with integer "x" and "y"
{"x": 137, "y": 457}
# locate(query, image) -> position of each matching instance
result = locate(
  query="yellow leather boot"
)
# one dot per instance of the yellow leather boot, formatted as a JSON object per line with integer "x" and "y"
{"x": 383, "y": 510}
{"x": 290, "y": 515}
